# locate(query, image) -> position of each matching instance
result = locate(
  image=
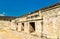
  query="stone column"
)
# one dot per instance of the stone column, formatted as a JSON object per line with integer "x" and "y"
{"x": 26, "y": 28}
{"x": 38, "y": 27}
{"x": 13, "y": 26}
{"x": 19, "y": 26}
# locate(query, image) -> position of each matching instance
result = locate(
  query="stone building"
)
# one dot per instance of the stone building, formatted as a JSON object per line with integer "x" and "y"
{"x": 44, "y": 22}
{"x": 5, "y": 22}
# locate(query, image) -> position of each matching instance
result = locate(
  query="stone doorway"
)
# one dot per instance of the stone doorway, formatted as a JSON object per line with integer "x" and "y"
{"x": 32, "y": 27}
{"x": 22, "y": 26}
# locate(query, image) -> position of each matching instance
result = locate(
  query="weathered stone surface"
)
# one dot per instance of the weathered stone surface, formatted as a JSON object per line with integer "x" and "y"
{"x": 44, "y": 24}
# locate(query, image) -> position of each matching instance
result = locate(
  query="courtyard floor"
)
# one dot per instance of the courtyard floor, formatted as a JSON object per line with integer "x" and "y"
{"x": 8, "y": 34}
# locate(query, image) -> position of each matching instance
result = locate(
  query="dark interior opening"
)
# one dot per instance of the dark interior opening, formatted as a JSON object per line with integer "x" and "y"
{"x": 22, "y": 26}
{"x": 10, "y": 20}
{"x": 33, "y": 25}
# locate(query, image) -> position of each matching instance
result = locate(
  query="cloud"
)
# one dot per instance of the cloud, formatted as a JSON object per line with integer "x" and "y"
{"x": 2, "y": 15}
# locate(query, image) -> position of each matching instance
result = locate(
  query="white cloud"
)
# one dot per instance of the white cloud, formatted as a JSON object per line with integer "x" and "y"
{"x": 3, "y": 14}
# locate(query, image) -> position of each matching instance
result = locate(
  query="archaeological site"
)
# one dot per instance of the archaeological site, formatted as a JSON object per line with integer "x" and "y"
{"x": 43, "y": 23}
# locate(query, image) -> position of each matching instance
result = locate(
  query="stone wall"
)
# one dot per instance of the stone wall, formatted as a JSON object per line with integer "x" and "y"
{"x": 51, "y": 24}
{"x": 47, "y": 23}
{"x": 5, "y": 24}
